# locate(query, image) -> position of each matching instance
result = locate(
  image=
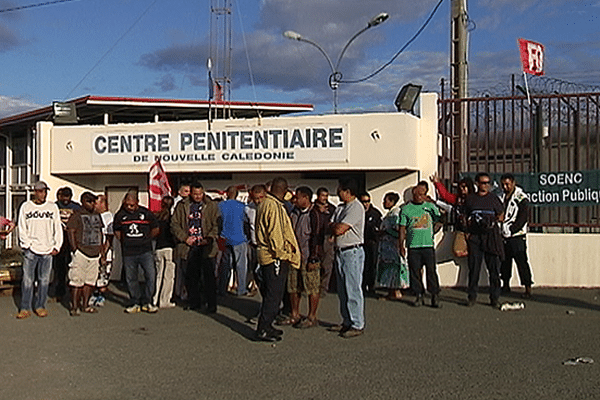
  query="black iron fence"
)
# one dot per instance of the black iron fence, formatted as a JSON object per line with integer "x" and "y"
{"x": 541, "y": 135}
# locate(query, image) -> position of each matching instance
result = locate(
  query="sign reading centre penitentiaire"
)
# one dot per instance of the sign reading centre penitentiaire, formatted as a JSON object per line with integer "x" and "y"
{"x": 264, "y": 145}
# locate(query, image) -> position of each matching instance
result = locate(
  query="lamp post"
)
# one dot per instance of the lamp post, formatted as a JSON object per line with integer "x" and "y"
{"x": 336, "y": 76}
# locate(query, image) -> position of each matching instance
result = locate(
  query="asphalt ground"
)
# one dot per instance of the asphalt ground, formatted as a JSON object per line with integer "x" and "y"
{"x": 454, "y": 352}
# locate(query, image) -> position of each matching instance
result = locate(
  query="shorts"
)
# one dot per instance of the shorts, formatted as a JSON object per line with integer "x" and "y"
{"x": 303, "y": 280}
{"x": 83, "y": 270}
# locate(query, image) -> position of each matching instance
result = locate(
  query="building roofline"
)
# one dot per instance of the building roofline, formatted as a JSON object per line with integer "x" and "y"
{"x": 45, "y": 112}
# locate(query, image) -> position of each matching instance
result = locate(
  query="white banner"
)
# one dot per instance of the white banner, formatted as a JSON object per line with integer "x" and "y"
{"x": 264, "y": 145}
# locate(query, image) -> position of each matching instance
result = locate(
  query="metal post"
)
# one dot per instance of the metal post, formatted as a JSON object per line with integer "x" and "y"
{"x": 458, "y": 80}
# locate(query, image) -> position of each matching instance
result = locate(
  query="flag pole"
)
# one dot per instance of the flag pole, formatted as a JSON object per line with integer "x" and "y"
{"x": 210, "y": 92}
{"x": 527, "y": 88}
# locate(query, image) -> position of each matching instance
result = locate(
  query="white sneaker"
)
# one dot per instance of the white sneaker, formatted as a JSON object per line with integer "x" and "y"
{"x": 132, "y": 309}
{"x": 150, "y": 308}
{"x": 99, "y": 301}
{"x": 169, "y": 305}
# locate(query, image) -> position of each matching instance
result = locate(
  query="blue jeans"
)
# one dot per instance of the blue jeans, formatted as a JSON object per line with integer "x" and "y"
{"x": 234, "y": 256}
{"x": 35, "y": 266}
{"x": 350, "y": 265}
{"x": 131, "y": 264}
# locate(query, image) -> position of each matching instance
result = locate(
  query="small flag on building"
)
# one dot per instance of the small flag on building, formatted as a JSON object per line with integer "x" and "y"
{"x": 532, "y": 57}
{"x": 158, "y": 186}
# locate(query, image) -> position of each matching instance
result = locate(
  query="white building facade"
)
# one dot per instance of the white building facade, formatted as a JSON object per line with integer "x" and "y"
{"x": 384, "y": 151}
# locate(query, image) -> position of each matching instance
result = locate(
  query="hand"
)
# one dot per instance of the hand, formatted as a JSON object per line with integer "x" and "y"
{"x": 434, "y": 178}
{"x": 54, "y": 252}
{"x": 190, "y": 240}
{"x": 402, "y": 251}
{"x": 311, "y": 266}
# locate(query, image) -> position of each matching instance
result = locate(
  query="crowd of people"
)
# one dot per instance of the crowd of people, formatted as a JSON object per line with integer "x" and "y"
{"x": 281, "y": 242}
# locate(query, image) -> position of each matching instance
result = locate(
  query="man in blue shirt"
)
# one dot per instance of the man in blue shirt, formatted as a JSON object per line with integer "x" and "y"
{"x": 236, "y": 243}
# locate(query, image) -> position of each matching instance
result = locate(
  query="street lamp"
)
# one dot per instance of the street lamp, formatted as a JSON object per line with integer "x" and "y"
{"x": 336, "y": 76}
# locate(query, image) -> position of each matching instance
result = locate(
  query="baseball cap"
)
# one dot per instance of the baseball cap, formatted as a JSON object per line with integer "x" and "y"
{"x": 40, "y": 185}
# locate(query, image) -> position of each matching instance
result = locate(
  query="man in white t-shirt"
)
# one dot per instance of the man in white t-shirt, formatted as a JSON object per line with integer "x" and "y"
{"x": 348, "y": 226}
{"x": 40, "y": 238}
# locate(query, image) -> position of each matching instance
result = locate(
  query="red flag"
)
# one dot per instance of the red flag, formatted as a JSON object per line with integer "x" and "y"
{"x": 158, "y": 186}
{"x": 218, "y": 91}
{"x": 532, "y": 57}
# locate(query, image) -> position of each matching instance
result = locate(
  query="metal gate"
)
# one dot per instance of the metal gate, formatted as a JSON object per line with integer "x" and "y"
{"x": 519, "y": 135}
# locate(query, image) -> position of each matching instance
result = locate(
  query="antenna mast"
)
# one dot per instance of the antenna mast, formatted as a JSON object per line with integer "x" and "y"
{"x": 220, "y": 52}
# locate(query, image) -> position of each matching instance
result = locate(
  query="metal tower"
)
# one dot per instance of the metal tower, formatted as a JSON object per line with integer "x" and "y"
{"x": 220, "y": 48}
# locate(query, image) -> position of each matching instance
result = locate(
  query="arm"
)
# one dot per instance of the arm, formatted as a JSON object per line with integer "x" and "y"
{"x": 339, "y": 228}
{"x": 402, "y": 240}
{"x": 269, "y": 232}
{"x": 11, "y": 227}
{"x": 154, "y": 232}
{"x": 24, "y": 240}
{"x": 72, "y": 239}
{"x": 58, "y": 233}
{"x": 522, "y": 215}
{"x": 436, "y": 217}
{"x": 444, "y": 194}
{"x": 117, "y": 228}
{"x": 179, "y": 227}
{"x": 315, "y": 248}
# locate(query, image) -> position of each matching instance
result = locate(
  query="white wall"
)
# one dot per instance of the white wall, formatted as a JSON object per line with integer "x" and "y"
{"x": 555, "y": 260}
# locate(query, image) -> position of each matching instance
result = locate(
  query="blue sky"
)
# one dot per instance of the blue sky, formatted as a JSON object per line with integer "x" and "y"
{"x": 75, "y": 48}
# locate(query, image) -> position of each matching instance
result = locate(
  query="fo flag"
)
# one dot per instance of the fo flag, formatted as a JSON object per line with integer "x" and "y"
{"x": 532, "y": 57}
{"x": 158, "y": 186}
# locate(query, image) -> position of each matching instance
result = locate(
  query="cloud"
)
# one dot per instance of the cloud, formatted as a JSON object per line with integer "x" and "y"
{"x": 13, "y": 105}
{"x": 9, "y": 16}
{"x": 8, "y": 39}
{"x": 291, "y": 67}
{"x": 166, "y": 83}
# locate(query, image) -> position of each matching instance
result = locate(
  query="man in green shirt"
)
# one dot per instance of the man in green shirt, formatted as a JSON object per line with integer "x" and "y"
{"x": 419, "y": 220}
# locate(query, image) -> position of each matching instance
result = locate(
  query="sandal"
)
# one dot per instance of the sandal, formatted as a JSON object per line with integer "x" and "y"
{"x": 90, "y": 310}
{"x": 307, "y": 323}
{"x": 395, "y": 295}
{"x": 41, "y": 312}
{"x": 24, "y": 314}
{"x": 74, "y": 312}
{"x": 289, "y": 321}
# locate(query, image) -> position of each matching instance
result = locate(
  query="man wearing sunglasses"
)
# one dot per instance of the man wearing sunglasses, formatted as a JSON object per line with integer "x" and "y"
{"x": 484, "y": 212}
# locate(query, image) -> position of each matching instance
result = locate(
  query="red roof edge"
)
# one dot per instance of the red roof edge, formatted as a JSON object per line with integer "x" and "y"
{"x": 88, "y": 98}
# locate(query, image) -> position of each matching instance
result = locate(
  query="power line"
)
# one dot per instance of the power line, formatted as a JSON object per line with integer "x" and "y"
{"x": 384, "y": 66}
{"x": 47, "y": 3}
{"x": 112, "y": 47}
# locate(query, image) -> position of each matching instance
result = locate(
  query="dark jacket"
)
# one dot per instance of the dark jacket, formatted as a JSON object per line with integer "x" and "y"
{"x": 210, "y": 226}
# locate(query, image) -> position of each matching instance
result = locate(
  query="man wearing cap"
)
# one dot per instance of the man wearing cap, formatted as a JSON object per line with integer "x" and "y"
{"x": 84, "y": 231}
{"x": 40, "y": 238}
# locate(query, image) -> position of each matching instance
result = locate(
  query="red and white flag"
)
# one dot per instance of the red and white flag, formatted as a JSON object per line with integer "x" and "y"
{"x": 532, "y": 57}
{"x": 158, "y": 186}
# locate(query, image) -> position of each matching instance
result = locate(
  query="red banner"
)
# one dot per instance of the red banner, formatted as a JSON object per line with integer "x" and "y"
{"x": 532, "y": 57}
{"x": 158, "y": 186}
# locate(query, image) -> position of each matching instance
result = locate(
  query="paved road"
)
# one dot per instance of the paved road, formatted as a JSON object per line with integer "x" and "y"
{"x": 406, "y": 353}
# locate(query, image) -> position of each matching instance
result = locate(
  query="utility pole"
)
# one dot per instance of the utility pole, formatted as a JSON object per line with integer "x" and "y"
{"x": 220, "y": 52}
{"x": 458, "y": 83}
